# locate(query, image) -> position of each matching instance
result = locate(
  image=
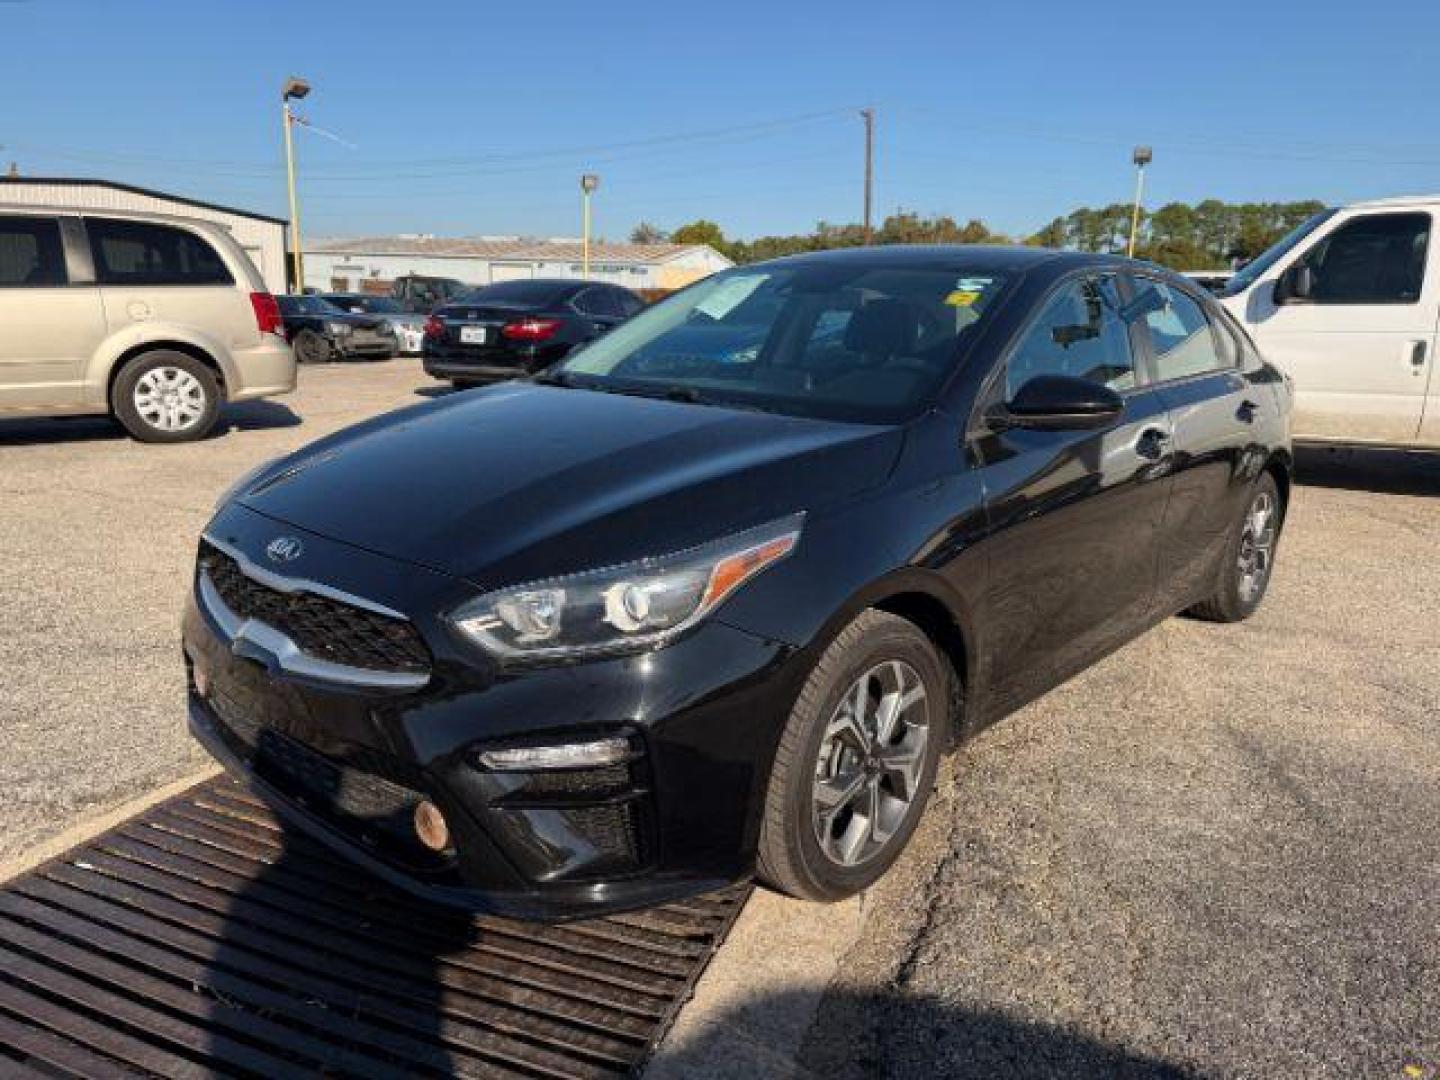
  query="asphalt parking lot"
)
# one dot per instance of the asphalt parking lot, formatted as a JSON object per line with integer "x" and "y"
{"x": 1213, "y": 854}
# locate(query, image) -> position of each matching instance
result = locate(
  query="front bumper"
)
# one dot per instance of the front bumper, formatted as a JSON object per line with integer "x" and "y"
{"x": 703, "y": 715}
{"x": 379, "y": 349}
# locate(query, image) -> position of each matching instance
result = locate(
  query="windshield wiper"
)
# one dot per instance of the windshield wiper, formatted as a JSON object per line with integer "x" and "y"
{"x": 555, "y": 378}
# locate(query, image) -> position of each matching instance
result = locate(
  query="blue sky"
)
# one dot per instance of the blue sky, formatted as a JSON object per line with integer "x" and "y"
{"x": 478, "y": 117}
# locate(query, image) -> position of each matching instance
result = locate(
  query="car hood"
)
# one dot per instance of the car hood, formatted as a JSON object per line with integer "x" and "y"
{"x": 522, "y": 481}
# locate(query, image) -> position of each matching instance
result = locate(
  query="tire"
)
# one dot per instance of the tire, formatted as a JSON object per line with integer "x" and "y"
{"x": 803, "y": 849}
{"x": 166, "y": 397}
{"x": 311, "y": 348}
{"x": 1242, "y": 581}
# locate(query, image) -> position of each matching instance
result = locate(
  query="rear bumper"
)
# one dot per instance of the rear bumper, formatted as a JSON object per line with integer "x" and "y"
{"x": 264, "y": 371}
{"x": 456, "y": 362}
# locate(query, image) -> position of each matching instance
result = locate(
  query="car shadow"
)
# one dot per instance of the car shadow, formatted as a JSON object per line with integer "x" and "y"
{"x": 244, "y": 416}
{"x": 1391, "y": 472}
{"x": 860, "y": 1035}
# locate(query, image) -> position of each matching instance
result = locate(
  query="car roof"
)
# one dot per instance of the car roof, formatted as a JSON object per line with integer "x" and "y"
{"x": 998, "y": 257}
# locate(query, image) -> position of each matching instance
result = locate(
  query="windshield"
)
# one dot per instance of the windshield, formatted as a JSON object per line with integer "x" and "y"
{"x": 842, "y": 340}
{"x": 1256, "y": 267}
{"x": 523, "y": 291}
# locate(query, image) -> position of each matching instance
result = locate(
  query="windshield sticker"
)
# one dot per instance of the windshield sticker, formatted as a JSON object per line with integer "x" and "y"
{"x": 973, "y": 284}
{"x": 962, "y": 298}
{"x": 730, "y": 295}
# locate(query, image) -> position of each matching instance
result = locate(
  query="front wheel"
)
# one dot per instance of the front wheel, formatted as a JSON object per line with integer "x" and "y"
{"x": 857, "y": 760}
{"x": 1249, "y": 558}
{"x": 311, "y": 348}
{"x": 166, "y": 397}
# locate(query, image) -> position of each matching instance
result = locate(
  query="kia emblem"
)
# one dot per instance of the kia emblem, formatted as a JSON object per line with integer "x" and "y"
{"x": 284, "y": 549}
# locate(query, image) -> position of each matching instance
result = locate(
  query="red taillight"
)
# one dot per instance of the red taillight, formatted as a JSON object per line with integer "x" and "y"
{"x": 434, "y": 328}
{"x": 267, "y": 313}
{"x": 530, "y": 329}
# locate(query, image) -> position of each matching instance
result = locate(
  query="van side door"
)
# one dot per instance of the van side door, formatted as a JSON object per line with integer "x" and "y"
{"x": 1361, "y": 345}
{"x": 51, "y": 315}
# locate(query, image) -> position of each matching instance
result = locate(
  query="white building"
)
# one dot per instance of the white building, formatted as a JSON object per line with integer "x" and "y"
{"x": 262, "y": 237}
{"x": 371, "y": 264}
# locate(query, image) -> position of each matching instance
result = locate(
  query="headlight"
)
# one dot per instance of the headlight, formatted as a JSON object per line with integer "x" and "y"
{"x": 337, "y": 328}
{"x": 635, "y": 606}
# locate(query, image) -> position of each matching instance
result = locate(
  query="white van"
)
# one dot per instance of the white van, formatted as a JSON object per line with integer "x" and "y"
{"x": 1348, "y": 304}
{"x": 156, "y": 320}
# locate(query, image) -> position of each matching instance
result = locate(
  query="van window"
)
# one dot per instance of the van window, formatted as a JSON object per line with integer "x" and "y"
{"x": 31, "y": 255}
{"x": 1181, "y": 338}
{"x": 1079, "y": 333}
{"x": 147, "y": 253}
{"x": 1375, "y": 259}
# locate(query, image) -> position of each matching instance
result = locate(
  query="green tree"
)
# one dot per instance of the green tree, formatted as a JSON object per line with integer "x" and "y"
{"x": 645, "y": 233}
{"x": 700, "y": 231}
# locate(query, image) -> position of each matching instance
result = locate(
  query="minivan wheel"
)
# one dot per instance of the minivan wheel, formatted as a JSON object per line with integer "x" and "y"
{"x": 311, "y": 348}
{"x": 857, "y": 760}
{"x": 166, "y": 397}
{"x": 1249, "y": 558}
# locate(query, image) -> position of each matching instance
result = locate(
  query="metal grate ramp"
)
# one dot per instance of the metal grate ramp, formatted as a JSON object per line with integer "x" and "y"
{"x": 197, "y": 940}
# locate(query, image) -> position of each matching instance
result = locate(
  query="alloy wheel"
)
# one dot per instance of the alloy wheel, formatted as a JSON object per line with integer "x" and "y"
{"x": 1257, "y": 546}
{"x": 169, "y": 399}
{"x": 871, "y": 758}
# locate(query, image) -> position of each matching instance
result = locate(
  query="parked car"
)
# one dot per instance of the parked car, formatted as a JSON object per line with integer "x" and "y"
{"x": 421, "y": 294}
{"x": 653, "y": 621}
{"x": 519, "y": 327}
{"x": 1348, "y": 304}
{"x": 152, "y": 319}
{"x": 321, "y": 332}
{"x": 407, "y": 326}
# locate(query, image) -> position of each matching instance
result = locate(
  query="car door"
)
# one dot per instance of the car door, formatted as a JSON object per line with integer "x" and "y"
{"x": 1361, "y": 346}
{"x": 1073, "y": 516}
{"x": 1223, "y": 418}
{"x": 51, "y": 316}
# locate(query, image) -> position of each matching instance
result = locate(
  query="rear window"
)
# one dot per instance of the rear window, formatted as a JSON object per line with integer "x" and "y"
{"x": 147, "y": 253}
{"x": 31, "y": 254}
{"x": 538, "y": 293}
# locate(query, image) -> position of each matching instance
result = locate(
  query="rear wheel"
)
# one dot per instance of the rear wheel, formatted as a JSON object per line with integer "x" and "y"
{"x": 166, "y": 397}
{"x": 1249, "y": 558}
{"x": 856, "y": 760}
{"x": 311, "y": 348}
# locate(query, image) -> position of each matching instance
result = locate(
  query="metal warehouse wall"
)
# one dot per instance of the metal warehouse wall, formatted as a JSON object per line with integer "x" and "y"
{"x": 323, "y": 268}
{"x": 263, "y": 241}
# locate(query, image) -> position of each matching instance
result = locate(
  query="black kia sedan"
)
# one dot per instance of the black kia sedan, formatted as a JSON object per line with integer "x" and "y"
{"x": 712, "y": 597}
{"x": 519, "y": 327}
{"x": 319, "y": 331}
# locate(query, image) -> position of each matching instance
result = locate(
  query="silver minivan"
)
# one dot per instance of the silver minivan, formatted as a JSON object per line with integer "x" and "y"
{"x": 153, "y": 319}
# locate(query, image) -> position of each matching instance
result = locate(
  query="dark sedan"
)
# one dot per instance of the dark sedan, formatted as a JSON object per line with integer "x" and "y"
{"x": 519, "y": 327}
{"x": 712, "y": 597}
{"x": 319, "y": 331}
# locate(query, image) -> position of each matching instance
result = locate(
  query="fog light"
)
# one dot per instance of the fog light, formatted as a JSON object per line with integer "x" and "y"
{"x": 580, "y": 755}
{"x": 431, "y": 827}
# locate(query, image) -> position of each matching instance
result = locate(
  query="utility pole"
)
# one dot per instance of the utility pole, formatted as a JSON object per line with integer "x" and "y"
{"x": 869, "y": 115}
{"x": 297, "y": 89}
{"x": 1141, "y": 158}
{"x": 588, "y": 183}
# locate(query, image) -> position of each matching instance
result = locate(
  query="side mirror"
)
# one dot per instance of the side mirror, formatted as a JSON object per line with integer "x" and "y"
{"x": 1059, "y": 403}
{"x": 1296, "y": 283}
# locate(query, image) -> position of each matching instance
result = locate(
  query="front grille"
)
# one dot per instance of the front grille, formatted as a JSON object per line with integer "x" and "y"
{"x": 322, "y": 627}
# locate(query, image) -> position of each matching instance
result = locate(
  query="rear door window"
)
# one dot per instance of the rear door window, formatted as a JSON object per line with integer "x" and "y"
{"x": 148, "y": 253}
{"x": 31, "y": 254}
{"x": 1182, "y": 340}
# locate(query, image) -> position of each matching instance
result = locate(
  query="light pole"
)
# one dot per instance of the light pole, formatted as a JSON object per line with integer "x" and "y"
{"x": 588, "y": 183}
{"x": 1141, "y": 157}
{"x": 294, "y": 88}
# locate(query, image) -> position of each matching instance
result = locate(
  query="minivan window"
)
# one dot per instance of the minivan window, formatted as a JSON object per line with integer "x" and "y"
{"x": 1374, "y": 259}
{"x": 842, "y": 341}
{"x": 31, "y": 253}
{"x": 148, "y": 253}
{"x": 1080, "y": 333}
{"x": 1181, "y": 338}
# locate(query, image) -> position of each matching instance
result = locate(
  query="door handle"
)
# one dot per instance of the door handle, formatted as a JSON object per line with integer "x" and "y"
{"x": 1246, "y": 412}
{"x": 1152, "y": 443}
{"x": 1417, "y": 355}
